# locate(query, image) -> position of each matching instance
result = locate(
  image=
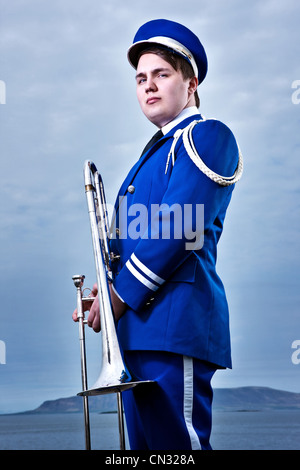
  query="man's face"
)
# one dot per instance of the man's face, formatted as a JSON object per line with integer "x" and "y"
{"x": 161, "y": 90}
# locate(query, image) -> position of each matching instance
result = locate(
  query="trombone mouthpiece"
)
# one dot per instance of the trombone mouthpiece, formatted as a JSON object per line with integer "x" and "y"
{"x": 78, "y": 280}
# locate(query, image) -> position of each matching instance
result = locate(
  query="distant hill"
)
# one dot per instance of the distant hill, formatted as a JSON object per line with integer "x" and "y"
{"x": 255, "y": 398}
{"x": 97, "y": 404}
{"x": 239, "y": 399}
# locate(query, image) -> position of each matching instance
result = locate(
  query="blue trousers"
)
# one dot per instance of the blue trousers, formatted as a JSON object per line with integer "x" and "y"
{"x": 174, "y": 413}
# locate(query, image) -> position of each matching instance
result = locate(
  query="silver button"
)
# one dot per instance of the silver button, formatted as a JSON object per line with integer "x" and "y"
{"x": 131, "y": 189}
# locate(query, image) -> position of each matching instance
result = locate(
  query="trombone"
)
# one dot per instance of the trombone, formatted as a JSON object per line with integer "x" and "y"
{"x": 114, "y": 375}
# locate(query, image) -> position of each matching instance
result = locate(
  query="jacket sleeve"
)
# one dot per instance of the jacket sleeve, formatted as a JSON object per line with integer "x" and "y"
{"x": 179, "y": 219}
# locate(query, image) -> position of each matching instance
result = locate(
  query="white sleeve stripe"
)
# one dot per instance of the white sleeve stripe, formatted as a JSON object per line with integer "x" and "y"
{"x": 146, "y": 270}
{"x": 140, "y": 277}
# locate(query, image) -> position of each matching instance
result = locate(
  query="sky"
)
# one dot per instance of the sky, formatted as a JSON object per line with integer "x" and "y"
{"x": 67, "y": 94}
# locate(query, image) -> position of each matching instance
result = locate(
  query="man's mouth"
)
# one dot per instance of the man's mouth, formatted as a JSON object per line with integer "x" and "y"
{"x": 152, "y": 100}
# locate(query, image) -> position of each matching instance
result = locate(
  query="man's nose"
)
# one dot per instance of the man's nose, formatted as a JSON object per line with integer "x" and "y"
{"x": 151, "y": 85}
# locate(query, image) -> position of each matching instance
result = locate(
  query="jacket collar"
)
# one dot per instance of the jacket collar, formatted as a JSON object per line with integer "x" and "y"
{"x": 185, "y": 113}
{"x": 182, "y": 124}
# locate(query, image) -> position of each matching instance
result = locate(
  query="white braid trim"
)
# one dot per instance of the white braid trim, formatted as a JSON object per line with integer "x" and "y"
{"x": 195, "y": 157}
{"x": 176, "y": 137}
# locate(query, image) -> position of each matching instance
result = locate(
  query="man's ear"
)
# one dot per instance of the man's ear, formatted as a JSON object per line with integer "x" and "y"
{"x": 193, "y": 84}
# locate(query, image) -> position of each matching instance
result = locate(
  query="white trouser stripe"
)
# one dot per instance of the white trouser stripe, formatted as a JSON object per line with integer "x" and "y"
{"x": 188, "y": 401}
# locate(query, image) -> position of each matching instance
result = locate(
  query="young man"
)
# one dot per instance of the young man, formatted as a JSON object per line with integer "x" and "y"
{"x": 169, "y": 302}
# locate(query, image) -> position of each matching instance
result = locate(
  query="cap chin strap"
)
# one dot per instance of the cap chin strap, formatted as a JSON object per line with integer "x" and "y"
{"x": 195, "y": 157}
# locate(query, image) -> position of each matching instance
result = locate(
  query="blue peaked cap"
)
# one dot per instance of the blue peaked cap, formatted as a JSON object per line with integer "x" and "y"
{"x": 170, "y": 35}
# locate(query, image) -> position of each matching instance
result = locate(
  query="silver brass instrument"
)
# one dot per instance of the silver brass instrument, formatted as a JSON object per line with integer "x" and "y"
{"x": 114, "y": 376}
{"x": 78, "y": 282}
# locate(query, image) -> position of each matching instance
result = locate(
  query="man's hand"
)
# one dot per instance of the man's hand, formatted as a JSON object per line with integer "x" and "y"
{"x": 93, "y": 319}
{"x": 93, "y": 307}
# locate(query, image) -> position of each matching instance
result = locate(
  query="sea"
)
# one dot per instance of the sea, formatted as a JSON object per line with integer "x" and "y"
{"x": 232, "y": 430}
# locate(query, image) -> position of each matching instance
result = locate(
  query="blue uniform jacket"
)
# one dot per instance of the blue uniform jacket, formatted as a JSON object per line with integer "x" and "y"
{"x": 176, "y": 300}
